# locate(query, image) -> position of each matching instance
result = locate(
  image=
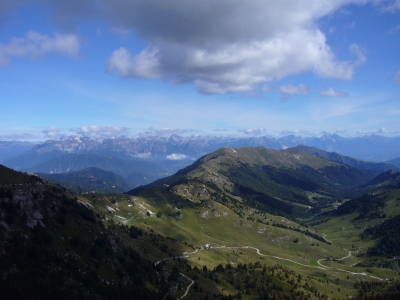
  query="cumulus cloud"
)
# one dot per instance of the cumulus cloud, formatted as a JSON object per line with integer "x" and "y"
{"x": 397, "y": 77}
{"x": 34, "y": 45}
{"x": 253, "y": 131}
{"x": 101, "y": 132}
{"x": 331, "y": 92}
{"x": 381, "y": 130}
{"x": 176, "y": 156}
{"x": 51, "y": 132}
{"x": 165, "y": 132}
{"x": 242, "y": 43}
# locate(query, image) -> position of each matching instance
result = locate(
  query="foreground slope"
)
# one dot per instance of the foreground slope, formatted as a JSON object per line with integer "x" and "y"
{"x": 52, "y": 246}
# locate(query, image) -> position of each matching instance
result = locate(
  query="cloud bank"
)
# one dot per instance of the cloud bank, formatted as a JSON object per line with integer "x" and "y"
{"x": 240, "y": 45}
{"x": 100, "y": 132}
{"x": 253, "y": 131}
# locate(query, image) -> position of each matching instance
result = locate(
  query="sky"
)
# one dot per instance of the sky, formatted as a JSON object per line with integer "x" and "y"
{"x": 100, "y": 68}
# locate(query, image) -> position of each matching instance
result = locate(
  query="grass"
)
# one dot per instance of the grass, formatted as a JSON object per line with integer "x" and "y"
{"x": 213, "y": 223}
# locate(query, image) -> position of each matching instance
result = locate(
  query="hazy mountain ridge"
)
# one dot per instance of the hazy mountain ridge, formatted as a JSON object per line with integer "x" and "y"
{"x": 9, "y": 149}
{"x": 91, "y": 180}
{"x": 372, "y": 148}
{"x": 75, "y": 162}
{"x": 356, "y": 163}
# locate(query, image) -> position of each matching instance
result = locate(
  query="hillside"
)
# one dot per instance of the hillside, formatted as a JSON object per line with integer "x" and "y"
{"x": 195, "y": 234}
{"x": 91, "y": 180}
{"x": 202, "y": 205}
{"x": 53, "y": 246}
{"x": 56, "y": 245}
{"x": 262, "y": 177}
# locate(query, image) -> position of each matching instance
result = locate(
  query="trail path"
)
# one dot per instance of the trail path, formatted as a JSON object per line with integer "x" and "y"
{"x": 189, "y": 286}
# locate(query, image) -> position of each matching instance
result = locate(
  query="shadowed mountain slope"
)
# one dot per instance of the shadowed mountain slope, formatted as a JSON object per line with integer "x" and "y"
{"x": 91, "y": 180}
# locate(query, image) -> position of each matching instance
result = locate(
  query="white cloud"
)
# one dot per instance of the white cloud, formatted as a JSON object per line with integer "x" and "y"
{"x": 289, "y": 89}
{"x": 242, "y": 43}
{"x": 51, "y": 132}
{"x": 253, "y": 131}
{"x": 381, "y": 130}
{"x": 34, "y": 45}
{"x": 143, "y": 65}
{"x": 397, "y": 77}
{"x": 165, "y": 132}
{"x": 331, "y": 92}
{"x": 335, "y": 131}
{"x": 176, "y": 156}
{"x": 220, "y": 129}
{"x": 102, "y": 132}
{"x": 143, "y": 155}
{"x": 294, "y": 90}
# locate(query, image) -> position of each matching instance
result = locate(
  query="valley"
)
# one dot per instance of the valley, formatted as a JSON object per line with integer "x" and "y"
{"x": 243, "y": 223}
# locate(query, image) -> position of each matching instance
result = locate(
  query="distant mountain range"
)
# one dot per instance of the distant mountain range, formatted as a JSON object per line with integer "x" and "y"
{"x": 91, "y": 180}
{"x": 370, "y": 148}
{"x": 145, "y": 159}
{"x": 356, "y": 163}
{"x": 9, "y": 149}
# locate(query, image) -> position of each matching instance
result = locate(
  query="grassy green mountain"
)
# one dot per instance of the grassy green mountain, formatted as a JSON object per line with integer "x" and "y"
{"x": 262, "y": 177}
{"x": 202, "y": 206}
{"x": 91, "y": 180}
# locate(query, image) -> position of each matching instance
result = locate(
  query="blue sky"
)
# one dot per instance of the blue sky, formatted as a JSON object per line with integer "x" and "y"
{"x": 224, "y": 67}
